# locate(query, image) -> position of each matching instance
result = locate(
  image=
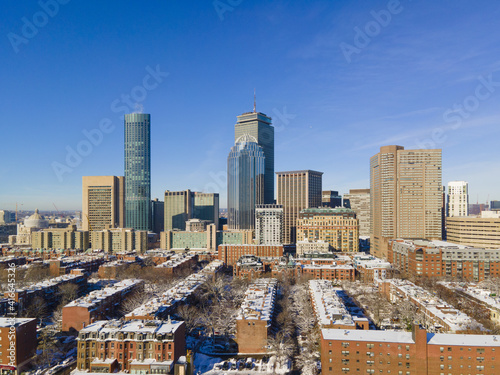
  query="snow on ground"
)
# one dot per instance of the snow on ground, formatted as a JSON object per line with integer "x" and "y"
{"x": 204, "y": 363}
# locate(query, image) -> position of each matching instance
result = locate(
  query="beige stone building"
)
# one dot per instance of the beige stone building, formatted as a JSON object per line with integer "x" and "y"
{"x": 358, "y": 200}
{"x": 406, "y": 196}
{"x": 340, "y": 231}
{"x": 297, "y": 190}
{"x": 474, "y": 231}
{"x": 103, "y": 202}
{"x": 119, "y": 239}
{"x": 60, "y": 238}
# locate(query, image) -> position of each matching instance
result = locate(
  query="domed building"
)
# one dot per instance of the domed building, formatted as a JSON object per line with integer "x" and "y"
{"x": 36, "y": 221}
{"x": 31, "y": 224}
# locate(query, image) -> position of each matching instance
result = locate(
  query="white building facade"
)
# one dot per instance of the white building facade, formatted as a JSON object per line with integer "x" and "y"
{"x": 269, "y": 224}
{"x": 458, "y": 199}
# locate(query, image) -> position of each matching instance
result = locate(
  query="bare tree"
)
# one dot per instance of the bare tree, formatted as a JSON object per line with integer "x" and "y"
{"x": 57, "y": 318}
{"x": 134, "y": 300}
{"x": 67, "y": 293}
{"x": 36, "y": 309}
{"x": 191, "y": 315}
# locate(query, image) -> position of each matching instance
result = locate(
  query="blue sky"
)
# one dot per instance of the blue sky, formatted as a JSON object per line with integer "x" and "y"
{"x": 339, "y": 78}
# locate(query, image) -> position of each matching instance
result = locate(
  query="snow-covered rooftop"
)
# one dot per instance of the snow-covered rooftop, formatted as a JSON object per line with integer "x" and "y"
{"x": 176, "y": 260}
{"x": 483, "y": 294}
{"x": 259, "y": 300}
{"x": 93, "y": 299}
{"x": 179, "y": 293}
{"x": 368, "y": 335}
{"x": 156, "y": 327}
{"x": 327, "y": 305}
{"x": 8, "y": 322}
{"x": 435, "y": 307}
{"x": 49, "y": 283}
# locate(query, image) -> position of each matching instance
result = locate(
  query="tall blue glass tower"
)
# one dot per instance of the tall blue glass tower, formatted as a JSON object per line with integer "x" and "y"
{"x": 138, "y": 171}
{"x": 245, "y": 182}
{"x": 258, "y": 125}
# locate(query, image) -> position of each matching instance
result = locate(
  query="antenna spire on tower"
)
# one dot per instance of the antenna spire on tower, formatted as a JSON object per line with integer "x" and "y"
{"x": 254, "y": 102}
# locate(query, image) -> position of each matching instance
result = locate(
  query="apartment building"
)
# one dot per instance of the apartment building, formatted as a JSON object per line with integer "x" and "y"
{"x": 103, "y": 202}
{"x": 269, "y": 224}
{"x": 457, "y": 203}
{"x": 98, "y": 304}
{"x": 87, "y": 264}
{"x": 330, "y": 309}
{"x": 406, "y": 196}
{"x": 440, "y": 316}
{"x": 407, "y": 353}
{"x": 336, "y": 226}
{"x": 160, "y": 307}
{"x": 370, "y": 269}
{"x": 229, "y": 254}
{"x": 481, "y": 297}
{"x": 481, "y": 232}
{"x": 295, "y": 191}
{"x": 253, "y": 323}
{"x": 47, "y": 290}
{"x": 135, "y": 347}
{"x": 358, "y": 200}
{"x": 441, "y": 258}
{"x": 60, "y": 238}
{"x": 18, "y": 344}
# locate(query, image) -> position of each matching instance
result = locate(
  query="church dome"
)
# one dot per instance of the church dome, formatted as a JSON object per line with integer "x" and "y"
{"x": 36, "y": 221}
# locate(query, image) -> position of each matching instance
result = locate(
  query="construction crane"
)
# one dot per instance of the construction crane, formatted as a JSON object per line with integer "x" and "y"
{"x": 60, "y": 214}
{"x": 88, "y": 221}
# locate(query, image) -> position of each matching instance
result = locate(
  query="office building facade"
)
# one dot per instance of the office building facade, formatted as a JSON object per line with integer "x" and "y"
{"x": 245, "y": 182}
{"x": 157, "y": 216}
{"x": 181, "y": 206}
{"x": 458, "y": 199}
{"x": 406, "y": 196}
{"x": 138, "y": 171}
{"x": 297, "y": 190}
{"x": 103, "y": 202}
{"x": 269, "y": 223}
{"x": 358, "y": 200}
{"x": 336, "y": 226}
{"x": 258, "y": 125}
{"x": 474, "y": 231}
{"x": 331, "y": 198}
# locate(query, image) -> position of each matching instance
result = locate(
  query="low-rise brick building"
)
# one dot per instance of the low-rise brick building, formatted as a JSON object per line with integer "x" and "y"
{"x": 441, "y": 259}
{"x": 160, "y": 307}
{"x": 47, "y": 290}
{"x": 408, "y": 353}
{"x": 229, "y": 254}
{"x": 18, "y": 344}
{"x": 441, "y": 316}
{"x": 136, "y": 346}
{"x": 98, "y": 304}
{"x": 253, "y": 324}
{"x": 330, "y": 310}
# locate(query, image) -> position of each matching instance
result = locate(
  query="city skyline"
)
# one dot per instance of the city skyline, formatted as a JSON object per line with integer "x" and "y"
{"x": 334, "y": 91}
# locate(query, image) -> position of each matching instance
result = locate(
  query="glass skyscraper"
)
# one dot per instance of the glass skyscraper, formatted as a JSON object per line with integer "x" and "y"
{"x": 258, "y": 125}
{"x": 245, "y": 182}
{"x": 138, "y": 171}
